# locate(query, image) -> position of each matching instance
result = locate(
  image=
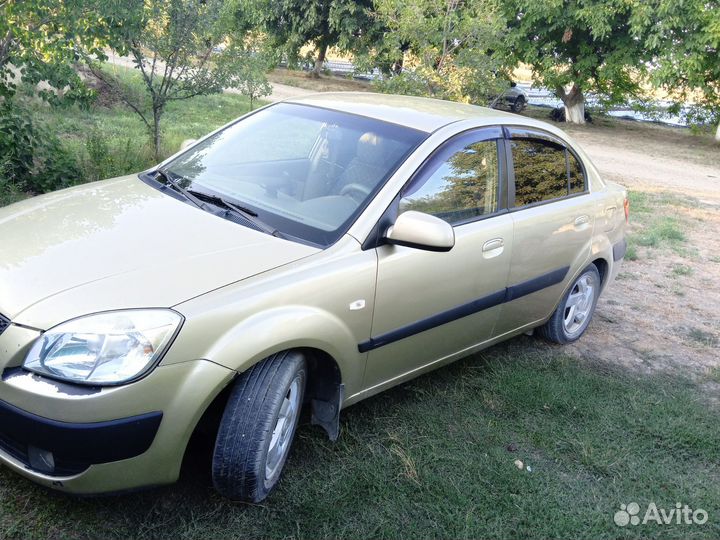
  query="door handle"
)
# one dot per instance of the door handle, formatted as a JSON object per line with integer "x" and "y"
{"x": 493, "y": 244}
{"x": 582, "y": 220}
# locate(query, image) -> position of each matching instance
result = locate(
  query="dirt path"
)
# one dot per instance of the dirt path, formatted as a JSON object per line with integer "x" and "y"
{"x": 654, "y": 158}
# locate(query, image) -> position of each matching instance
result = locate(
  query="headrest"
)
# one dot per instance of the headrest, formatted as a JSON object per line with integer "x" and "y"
{"x": 369, "y": 148}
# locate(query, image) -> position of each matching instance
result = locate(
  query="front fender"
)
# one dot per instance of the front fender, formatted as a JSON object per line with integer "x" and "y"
{"x": 290, "y": 327}
{"x": 258, "y": 335}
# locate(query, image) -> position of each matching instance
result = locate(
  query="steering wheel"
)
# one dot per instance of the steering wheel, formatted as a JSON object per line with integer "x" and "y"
{"x": 351, "y": 190}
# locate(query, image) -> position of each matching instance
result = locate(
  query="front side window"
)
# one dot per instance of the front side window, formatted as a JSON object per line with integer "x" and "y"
{"x": 460, "y": 188}
{"x": 306, "y": 171}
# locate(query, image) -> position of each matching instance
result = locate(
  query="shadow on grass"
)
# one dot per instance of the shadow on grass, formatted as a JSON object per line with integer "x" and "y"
{"x": 434, "y": 458}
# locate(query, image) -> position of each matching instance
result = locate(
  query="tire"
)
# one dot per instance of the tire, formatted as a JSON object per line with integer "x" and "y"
{"x": 254, "y": 439}
{"x": 518, "y": 105}
{"x": 567, "y": 325}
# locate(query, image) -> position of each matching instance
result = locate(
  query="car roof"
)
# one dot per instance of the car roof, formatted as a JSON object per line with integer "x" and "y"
{"x": 424, "y": 114}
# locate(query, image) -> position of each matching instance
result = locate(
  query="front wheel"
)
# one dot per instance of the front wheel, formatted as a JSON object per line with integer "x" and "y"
{"x": 572, "y": 317}
{"x": 519, "y": 105}
{"x": 258, "y": 426}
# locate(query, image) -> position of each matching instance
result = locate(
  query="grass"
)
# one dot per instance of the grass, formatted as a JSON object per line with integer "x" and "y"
{"x": 111, "y": 140}
{"x": 703, "y": 337}
{"x": 432, "y": 459}
{"x": 682, "y": 270}
{"x": 655, "y": 224}
{"x": 119, "y": 126}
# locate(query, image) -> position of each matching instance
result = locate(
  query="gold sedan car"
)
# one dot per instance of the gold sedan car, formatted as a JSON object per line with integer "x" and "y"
{"x": 311, "y": 254}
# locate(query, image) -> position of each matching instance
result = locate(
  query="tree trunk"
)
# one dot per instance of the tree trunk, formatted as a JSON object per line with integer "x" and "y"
{"x": 157, "y": 113}
{"x": 574, "y": 102}
{"x": 319, "y": 61}
{"x": 717, "y": 134}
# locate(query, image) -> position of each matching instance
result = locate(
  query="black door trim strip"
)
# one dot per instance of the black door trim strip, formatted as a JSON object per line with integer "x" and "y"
{"x": 500, "y": 297}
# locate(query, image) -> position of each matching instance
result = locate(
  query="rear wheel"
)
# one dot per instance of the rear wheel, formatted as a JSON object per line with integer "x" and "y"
{"x": 573, "y": 315}
{"x": 258, "y": 427}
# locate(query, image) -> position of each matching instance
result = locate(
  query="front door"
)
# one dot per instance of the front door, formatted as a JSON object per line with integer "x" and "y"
{"x": 431, "y": 305}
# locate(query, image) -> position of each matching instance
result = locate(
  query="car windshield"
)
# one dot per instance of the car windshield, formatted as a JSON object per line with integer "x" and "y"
{"x": 305, "y": 171}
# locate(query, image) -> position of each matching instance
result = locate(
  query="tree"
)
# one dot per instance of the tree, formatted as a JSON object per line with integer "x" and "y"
{"x": 579, "y": 46}
{"x": 178, "y": 47}
{"x": 38, "y": 42}
{"x": 247, "y": 69}
{"x": 291, "y": 24}
{"x": 445, "y": 47}
{"x": 687, "y": 36}
{"x": 39, "y": 39}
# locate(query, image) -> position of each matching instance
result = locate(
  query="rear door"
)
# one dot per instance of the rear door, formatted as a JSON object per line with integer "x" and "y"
{"x": 430, "y": 305}
{"x": 552, "y": 214}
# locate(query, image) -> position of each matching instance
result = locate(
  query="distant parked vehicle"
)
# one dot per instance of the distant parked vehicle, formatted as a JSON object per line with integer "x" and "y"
{"x": 514, "y": 99}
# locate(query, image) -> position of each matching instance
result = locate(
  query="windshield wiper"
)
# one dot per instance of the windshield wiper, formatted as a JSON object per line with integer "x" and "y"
{"x": 184, "y": 192}
{"x": 248, "y": 214}
{"x": 198, "y": 198}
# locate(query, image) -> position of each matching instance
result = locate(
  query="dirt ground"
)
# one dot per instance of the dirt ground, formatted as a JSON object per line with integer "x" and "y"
{"x": 663, "y": 311}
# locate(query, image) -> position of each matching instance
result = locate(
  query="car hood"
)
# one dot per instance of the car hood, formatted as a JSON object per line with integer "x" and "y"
{"x": 121, "y": 244}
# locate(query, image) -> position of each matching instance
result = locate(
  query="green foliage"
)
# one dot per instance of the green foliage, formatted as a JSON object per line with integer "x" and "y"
{"x": 291, "y": 24}
{"x": 589, "y": 45}
{"x": 104, "y": 158}
{"x": 31, "y": 161}
{"x": 176, "y": 47}
{"x": 687, "y": 38}
{"x": 17, "y": 142}
{"x": 444, "y": 48}
{"x": 103, "y": 142}
{"x": 39, "y": 41}
{"x": 246, "y": 70}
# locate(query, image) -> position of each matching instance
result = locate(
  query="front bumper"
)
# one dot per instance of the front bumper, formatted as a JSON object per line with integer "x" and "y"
{"x": 67, "y": 448}
{"x": 102, "y": 439}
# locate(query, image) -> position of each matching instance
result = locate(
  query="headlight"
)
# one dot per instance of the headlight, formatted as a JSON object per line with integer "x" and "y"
{"x": 107, "y": 348}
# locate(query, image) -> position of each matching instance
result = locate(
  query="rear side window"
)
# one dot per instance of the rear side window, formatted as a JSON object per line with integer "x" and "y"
{"x": 463, "y": 187}
{"x": 540, "y": 171}
{"x": 544, "y": 171}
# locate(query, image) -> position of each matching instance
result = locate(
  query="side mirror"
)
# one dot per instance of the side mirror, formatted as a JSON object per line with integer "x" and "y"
{"x": 421, "y": 231}
{"x": 187, "y": 143}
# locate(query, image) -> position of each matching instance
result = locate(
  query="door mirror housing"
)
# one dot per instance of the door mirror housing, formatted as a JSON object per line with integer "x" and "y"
{"x": 421, "y": 231}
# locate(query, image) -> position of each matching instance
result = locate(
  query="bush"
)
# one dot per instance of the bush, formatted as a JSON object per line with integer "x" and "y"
{"x": 107, "y": 157}
{"x": 31, "y": 163}
{"x": 17, "y": 143}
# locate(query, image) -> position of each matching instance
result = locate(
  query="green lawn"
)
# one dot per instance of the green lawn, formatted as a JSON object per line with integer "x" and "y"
{"x": 111, "y": 140}
{"x": 433, "y": 459}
